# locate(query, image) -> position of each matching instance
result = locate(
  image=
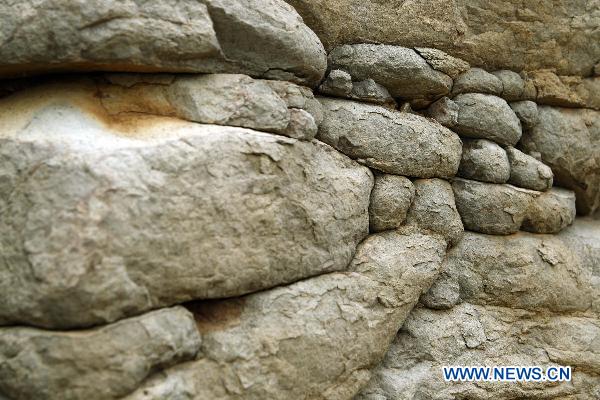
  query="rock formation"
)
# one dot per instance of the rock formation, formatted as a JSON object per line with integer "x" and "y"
{"x": 296, "y": 199}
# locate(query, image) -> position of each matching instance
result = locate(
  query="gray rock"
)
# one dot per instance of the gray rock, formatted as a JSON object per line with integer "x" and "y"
{"x": 315, "y": 338}
{"x": 296, "y": 96}
{"x": 444, "y": 293}
{"x": 221, "y": 99}
{"x": 568, "y": 141}
{"x": 402, "y": 71}
{"x": 338, "y": 83}
{"x": 484, "y": 116}
{"x": 433, "y": 209}
{"x": 105, "y": 216}
{"x": 477, "y": 80}
{"x": 373, "y": 92}
{"x": 262, "y": 38}
{"x": 527, "y": 112}
{"x": 551, "y": 212}
{"x": 390, "y": 141}
{"x": 513, "y": 86}
{"x": 390, "y": 199}
{"x": 484, "y": 161}
{"x": 527, "y": 172}
{"x": 491, "y": 208}
{"x": 444, "y": 111}
{"x": 443, "y": 62}
{"x": 100, "y": 363}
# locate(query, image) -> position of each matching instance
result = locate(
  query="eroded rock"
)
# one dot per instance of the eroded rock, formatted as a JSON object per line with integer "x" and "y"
{"x": 484, "y": 161}
{"x": 513, "y": 86}
{"x": 484, "y": 116}
{"x": 527, "y": 112}
{"x": 390, "y": 141}
{"x": 390, "y": 200}
{"x": 551, "y": 212}
{"x": 105, "y": 216}
{"x": 527, "y": 172}
{"x": 262, "y": 38}
{"x": 100, "y": 363}
{"x": 477, "y": 80}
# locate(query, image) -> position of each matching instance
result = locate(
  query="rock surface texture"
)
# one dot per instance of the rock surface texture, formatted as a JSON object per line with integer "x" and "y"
{"x": 298, "y": 200}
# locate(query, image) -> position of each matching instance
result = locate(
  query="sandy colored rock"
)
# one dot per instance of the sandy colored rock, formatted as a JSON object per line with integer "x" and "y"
{"x": 390, "y": 200}
{"x": 551, "y": 212}
{"x": 401, "y": 70}
{"x": 483, "y": 160}
{"x": 262, "y": 38}
{"x": 484, "y": 116}
{"x": 101, "y": 363}
{"x": 490, "y": 34}
{"x": 527, "y": 112}
{"x": 313, "y": 339}
{"x": 568, "y": 141}
{"x": 477, "y": 80}
{"x": 390, "y": 141}
{"x": 491, "y": 208}
{"x": 527, "y": 172}
{"x": 443, "y": 62}
{"x": 552, "y": 91}
{"x": 433, "y": 209}
{"x": 444, "y": 293}
{"x": 164, "y": 210}
{"x": 513, "y": 86}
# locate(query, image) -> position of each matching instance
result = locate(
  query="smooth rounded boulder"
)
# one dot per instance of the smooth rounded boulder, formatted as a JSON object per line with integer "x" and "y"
{"x": 106, "y": 216}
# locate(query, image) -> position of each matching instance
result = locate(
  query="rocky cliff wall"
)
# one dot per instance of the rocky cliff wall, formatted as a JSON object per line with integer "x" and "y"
{"x": 202, "y": 201}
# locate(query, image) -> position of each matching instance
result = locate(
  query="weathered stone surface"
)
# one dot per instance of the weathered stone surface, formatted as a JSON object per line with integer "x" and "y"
{"x": 371, "y": 91}
{"x": 477, "y": 80}
{"x": 550, "y": 212}
{"x": 296, "y": 96}
{"x": 100, "y": 363}
{"x": 443, "y": 62}
{"x": 390, "y": 141}
{"x": 338, "y": 83}
{"x": 526, "y": 300}
{"x": 390, "y": 199}
{"x": 527, "y": 172}
{"x": 401, "y": 70}
{"x": 513, "y": 86}
{"x": 484, "y": 161}
{"x": 107, "y": 216}
{"x": 444, "y": 293}
{"x": 433, "y": 209}
{"x": 485, "y": 116}
{"x": 491, "y": 208}
{"x": 568, "y": 141}
{"x": 221, "y": 99}
{"x": 477, "y": 335}
{"x": 263, "y": 38}
{"x": 490, "y": 34}
{"x": 444, "y": 111}
{"x": 527, "y": 112}
{"x": 314, "y": 339}
{"x": 552, "y": 91}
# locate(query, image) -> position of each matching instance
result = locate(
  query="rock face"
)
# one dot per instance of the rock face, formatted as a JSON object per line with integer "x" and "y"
{"x": 568, "y": 141}
{"x": 490, "y": 34}
{"x": 402, "y": 71}
{"x": 263, "y": 38}
{"x": 477, "y": 80}
{"x": 313, "y": 339}
{"x": 485, "y": 116}
{"x": 38, "y": 364}
{"x": 163, "y": 210}
{"x": 522, "y": 300}
{"x": 527, "y": 172}
{"x": 390, "y": 141}
{"x": 433, "y": 209}
{"x": 391, "y": 198}
{"x": 491, "y": 208}
{"x": 484, "y": 161}
{"x": 551, "y": 212}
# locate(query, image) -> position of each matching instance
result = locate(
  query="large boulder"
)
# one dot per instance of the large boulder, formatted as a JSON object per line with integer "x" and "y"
{"x": 104, "y": 216}
{"x": 263, "y": 38}
{"x": 314, "y": 339}
{"x": 402, "y": 71}
{"x": 491, "y": 34}
{"x": 101, "y": 363}
{"x": 390, "y": 141}
{"x": 568, "y": 140}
